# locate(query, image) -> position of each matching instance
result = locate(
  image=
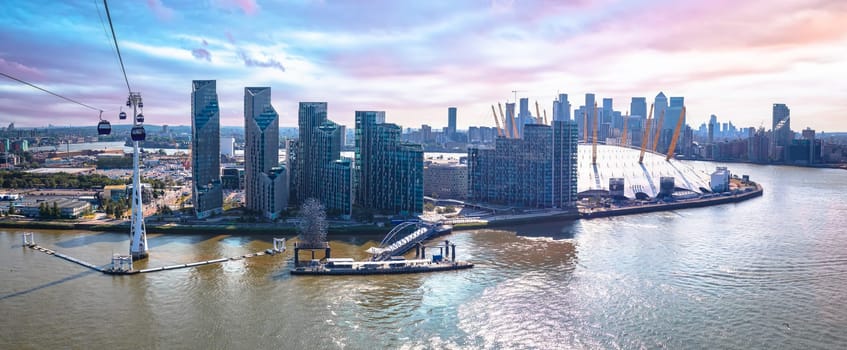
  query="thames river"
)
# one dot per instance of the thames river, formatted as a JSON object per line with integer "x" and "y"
{"x": 768, "y": 273}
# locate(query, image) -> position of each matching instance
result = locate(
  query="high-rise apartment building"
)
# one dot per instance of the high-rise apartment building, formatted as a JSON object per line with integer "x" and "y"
{"x": 388, "y": 172}
{"x": 265, "y": 182}
{"x": 781, "y": 130}
{"x": 322, "y": 173}
{"x": 207, "y": 191}
{"x": 538, "y": 171}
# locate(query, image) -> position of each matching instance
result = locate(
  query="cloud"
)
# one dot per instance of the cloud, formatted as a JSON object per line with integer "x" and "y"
{"x": 202, "y": 54}
{"x": 19, "y": 70}
{"x": 267, "y": 62}
{"x": 162, "y": 12}
{"x": 249, "y": 7}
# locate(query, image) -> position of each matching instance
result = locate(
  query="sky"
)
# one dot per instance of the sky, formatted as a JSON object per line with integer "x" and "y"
{"x": 414, "y": 59}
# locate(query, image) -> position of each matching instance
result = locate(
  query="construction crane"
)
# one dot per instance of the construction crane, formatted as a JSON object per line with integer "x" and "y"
{"x": 646, "y": 134}
{"x": 658, "y": 131}
{"x": 505, "y": 131}
{"x": 623, "y": 136}
{"x": 676, "y": 134}
{"x": 594, "y": 144}
{"x": 497, "y": 122}
{"x": 516, "y": 94}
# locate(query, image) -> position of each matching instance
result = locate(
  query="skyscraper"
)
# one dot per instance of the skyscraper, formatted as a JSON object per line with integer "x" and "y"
{"x": 782, "y": 134}
{"x": 562, "y": 108}
{"x": 538, "y": 171}
{"x": 451, "y": 122}
{"x": 388, "y": 172}
{"x": 207, "y": 191}
{"x": 321, "y": 172}
{"x": 607, "y": 111}
{"x": 586, "y": 121}
{"x": 660, "y": 105}
{"x": 265, "y": 183}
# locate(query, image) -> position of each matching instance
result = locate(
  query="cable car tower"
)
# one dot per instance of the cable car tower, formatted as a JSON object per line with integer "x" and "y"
{"x": 138, "y": 232}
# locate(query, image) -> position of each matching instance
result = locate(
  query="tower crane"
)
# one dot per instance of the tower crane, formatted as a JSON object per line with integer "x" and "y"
{"x": 676, "y": 134}
{"x": 496, "y": 122}
{"x": 646, "y": 134}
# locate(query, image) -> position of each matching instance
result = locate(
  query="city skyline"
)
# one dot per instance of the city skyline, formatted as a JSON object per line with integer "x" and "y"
{"x": 421, "y": 58}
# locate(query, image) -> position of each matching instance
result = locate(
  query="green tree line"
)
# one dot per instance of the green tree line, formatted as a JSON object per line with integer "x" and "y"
{"x": 20, "y": 179}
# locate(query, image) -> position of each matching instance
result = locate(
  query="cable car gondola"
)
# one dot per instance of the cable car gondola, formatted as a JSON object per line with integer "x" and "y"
{"x": 140, "y": 104}
{"x": 137, "y": 133}
{"x": 104, "y": 127}
{"x": 139, "y": 118}
{"x": 128, "y": 102}
{"x": 122, "y": 115}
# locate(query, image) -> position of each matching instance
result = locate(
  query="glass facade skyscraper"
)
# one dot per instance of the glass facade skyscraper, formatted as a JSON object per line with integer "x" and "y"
{"x": 265, "y": 182}
{"x": 388, "y": 172}
{"x": 321, "y": 172}
{"x": 207, "y": 191}
{"x": 538, "y": 171}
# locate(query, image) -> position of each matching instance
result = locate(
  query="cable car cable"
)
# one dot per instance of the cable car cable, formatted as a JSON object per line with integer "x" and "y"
{"x": 51, "y": 92}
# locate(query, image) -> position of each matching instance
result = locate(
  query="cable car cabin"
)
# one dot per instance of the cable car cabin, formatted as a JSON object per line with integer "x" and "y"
{"x": 104, "y": 127}
{"x": 137, "y": 133}
{"x": 139, "y": 118}
{"x": 128, "y": 103}
{"x": 140, "y": 104}
{"x": 122, "y": 116}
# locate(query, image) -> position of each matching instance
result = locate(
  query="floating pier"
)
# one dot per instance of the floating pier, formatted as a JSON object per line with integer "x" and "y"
{"x": 122, "y": 265}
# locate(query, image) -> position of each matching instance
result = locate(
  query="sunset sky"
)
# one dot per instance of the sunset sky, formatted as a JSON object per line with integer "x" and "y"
{"x": 413, "y": 59}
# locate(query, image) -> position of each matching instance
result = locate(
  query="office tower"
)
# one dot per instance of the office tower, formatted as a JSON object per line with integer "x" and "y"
{"x": 266, "y": 185}
{"x": 524, "y": 117}
{"x": 562, "y": 108}
{"x": 538, "y": 171}
{"x": 207, "y": 191}
{"x": 607, "y": 111}
{"x": 451, "y": 122}
{"x": 511, "y": 122}
{"x": 322, "y": 174}
{"x": 587, "y": 118}
{"x": 638, "y": 116}
{"x": 388, "y": 173}
{"x": 660, "y": 105}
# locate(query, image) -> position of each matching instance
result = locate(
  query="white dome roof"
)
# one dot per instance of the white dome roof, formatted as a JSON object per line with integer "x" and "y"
{"x": 622, "y": 162}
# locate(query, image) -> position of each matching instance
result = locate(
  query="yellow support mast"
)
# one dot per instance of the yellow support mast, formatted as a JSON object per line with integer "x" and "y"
{"x": 676, "y": 131}
{"x": 658, "y": 131}
{"x": 503, "y": 118}
{"x": 646, "y": 134}
{"x": 538, "y": 112}
{"x": 623, "y": 136}
{"x": 545, "y": 117}
{"x": 594, "y": 144}
{"x": 515, "y": 134}
{"x": 585, "y": 126}
{"x": 497, "y": 122}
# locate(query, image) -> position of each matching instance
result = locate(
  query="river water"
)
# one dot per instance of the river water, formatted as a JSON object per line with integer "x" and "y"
{"x": 767, "y": 273}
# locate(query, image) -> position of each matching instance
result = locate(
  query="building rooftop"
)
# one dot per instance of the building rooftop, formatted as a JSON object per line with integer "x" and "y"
{"x": 622, "y": 162}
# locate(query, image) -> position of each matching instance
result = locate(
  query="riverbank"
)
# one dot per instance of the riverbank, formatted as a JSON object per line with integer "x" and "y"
{"x": 493, "y": 222}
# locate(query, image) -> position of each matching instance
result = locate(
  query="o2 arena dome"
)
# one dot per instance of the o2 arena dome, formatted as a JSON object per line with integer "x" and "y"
{"x": 640, "y": 180}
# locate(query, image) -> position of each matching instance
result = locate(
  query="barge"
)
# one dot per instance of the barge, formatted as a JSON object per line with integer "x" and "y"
{"x": 397, "y": 265}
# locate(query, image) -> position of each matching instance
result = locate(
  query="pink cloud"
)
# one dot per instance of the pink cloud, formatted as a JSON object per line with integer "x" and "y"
{"x": 162, "y": 12}
{"x": 249, "y": 7}
{"x": 19, "y": 70}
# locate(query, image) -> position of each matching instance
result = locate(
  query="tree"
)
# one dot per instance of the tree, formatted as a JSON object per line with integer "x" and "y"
{"x": 54, "y": 211}
{"x": 12, "y": 210}
{"x": 312, "y": 225}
